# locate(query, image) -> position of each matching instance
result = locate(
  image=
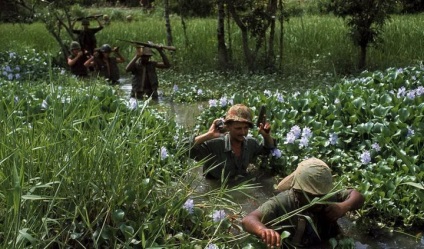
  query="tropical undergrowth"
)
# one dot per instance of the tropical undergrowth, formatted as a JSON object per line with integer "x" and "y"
{"x": 84, "y": 166}
{"x": 369, "y": 129}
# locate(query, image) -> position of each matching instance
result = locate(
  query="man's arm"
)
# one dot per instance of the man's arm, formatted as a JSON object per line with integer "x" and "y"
{"x": 165, "y": 62}
{"x": 354, "y": 200}
{"x": 137, "y": 55}
{"x": 213, "y": 132}
{"x": 119, "y": 57}
{"x": 252, "y": 224}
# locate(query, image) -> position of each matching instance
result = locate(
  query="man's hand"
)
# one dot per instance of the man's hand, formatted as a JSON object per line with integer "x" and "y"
{"x": 270, "y": 237}
{"x": 264, "y": 129}
{"x": 335, "y": 211}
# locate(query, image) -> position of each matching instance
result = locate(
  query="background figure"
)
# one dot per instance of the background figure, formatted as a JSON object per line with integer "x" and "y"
{"x": 86, "y": 36}
{"x": 312, "y": 178}
{"x": 145, "y": 80}
{"x": 106, "y": 65}
{"x": 229, "y": 154}
{"x": 76, "y": 60}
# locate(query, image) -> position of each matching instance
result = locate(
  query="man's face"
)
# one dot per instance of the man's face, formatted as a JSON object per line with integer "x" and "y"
{"x": 75, "y": 51}
{"x": 305, "y": 198}
{"x": 238, "y": 130}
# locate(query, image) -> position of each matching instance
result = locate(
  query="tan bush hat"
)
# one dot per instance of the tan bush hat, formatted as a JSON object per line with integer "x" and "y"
{"x": 239, "y": 113}
{"x": 311, "y": 175}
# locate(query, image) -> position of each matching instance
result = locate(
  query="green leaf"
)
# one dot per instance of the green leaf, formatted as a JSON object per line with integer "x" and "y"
{"x": 415, "y": 184}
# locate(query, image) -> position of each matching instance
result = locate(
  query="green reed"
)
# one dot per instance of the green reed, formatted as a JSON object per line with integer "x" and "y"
{"x": 312, "y": 44}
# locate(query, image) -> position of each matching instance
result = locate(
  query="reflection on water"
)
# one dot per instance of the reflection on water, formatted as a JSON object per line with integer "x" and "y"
{"x": 186, "y": 115}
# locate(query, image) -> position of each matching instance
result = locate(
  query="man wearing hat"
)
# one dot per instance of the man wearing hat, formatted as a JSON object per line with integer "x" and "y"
{"x": 105, "y": 64}
{"x": 145, "y": 80}
{"x": 228, "y": 154}
{"x": 86, "y": 35}
{"x": 76, "y": 60}
{"x": 312, "y": 178}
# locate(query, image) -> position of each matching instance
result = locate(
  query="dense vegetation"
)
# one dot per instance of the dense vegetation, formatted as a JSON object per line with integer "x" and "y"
{"x": 81, "y": 165}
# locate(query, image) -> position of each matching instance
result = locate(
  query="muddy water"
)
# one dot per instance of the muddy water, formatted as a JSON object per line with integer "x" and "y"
{"x": 186, "y": 114}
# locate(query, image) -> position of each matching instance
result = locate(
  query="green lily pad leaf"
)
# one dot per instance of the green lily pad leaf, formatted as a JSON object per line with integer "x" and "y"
{"x": 381, "y": 111}
{"x": 118, "y": 215}
{"x": 403, "y": 114}
{"x": 358, "y": 103}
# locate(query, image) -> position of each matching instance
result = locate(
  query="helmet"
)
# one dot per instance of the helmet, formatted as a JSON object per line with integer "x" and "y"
{"x": 85, "y": 22}
{"x": 146, "y": 51}
{"x": 105, "y": 48}
{"x": 311, "y": 175}
{"x": 239, "y": 113}
{"x": 75, "y": 45}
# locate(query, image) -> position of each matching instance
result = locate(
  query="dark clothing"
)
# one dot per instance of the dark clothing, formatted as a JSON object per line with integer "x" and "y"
{"x": 220, "y": 156}
{"x": 286, "y": 202}
{"x": 87, "y": 39}
{"x": 110, "y": 70}
{"x": 78, "y": 68}
{"x": 145, "y": 79}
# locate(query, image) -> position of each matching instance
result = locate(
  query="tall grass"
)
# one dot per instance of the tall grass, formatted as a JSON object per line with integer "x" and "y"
{"x": 312, "y": 44}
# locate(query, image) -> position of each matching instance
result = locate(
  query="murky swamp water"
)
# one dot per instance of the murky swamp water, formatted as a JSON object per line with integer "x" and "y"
{"x": 186, "y": 114}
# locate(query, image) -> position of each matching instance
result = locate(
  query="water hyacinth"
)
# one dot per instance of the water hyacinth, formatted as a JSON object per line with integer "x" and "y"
{"x": 163, "y": 153}
{"x": 296, "y": 131}
{"x": 279, "y": 97}
{"x": 276, "y": 153}
{"x": 223, "y": 101}
{"x": 376, "y": 147}
{"x": 175, "y": 88}
{"x": 199, "y": 91}
{"x": 365, "y": 157}
{"x": 333, "y": 138}
{"x": 304, "y": 142}
{"x": 290, "y": 138}
{"x": 211, "y": 246}
{"x": 212, "y": 103}
{"x": 218, "y": 215}
{"x": 189, "y": 206}
{"x": 411, "y": 132}
{"x": 307, "y": 132}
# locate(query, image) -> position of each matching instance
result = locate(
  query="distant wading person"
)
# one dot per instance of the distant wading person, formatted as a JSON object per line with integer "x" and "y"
{"x": 86, "y": 35}
{"x": 145, "y": 80}
{"x": 77, "y": 59}
{"x": 106, "y": 65}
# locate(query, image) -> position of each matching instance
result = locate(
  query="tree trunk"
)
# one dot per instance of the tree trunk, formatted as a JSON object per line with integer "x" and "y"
{"x": 272, "y": 10}
{"x": 244, "y": 36}
{"x": 167, "y": 23}
{"x": 222, "y": 48}
{"x": 281, "y": 34}
{"x": 362, "y": 57}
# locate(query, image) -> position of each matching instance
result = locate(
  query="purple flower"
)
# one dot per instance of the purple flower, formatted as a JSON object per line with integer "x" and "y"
{"x": 17, "y": 76}
{"x": 290, "y": 138}
{"x": 337, "y": 101}
{"x": 401, "y": 92}
{"x": 189, "y": 206}
{"x": 280, "y": 98}
{"x": 307, "y": 133}
{"x": 199, "y": 91}
{"x": 223, "y": 101}
{"x": 376, "y": 147}
{"x": 419, "y": 91}
{"x": 333, "y": 138}
{"x": 411, "y": 94}
{"x": 276, "y": 153}
{"x": 212, "y": 103}
{"x": 212, "y": 246}
{"x": 365, "y": 157}
{"x": 410, "y": 133}
{"x": 163, "y": 153}
{"x": 304, "y": 141}
{"x": 218, "y": 215}
{"x": 10, "y": 76}
{"x": 296, "y": 131}
{"x": 175, "y": 88}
